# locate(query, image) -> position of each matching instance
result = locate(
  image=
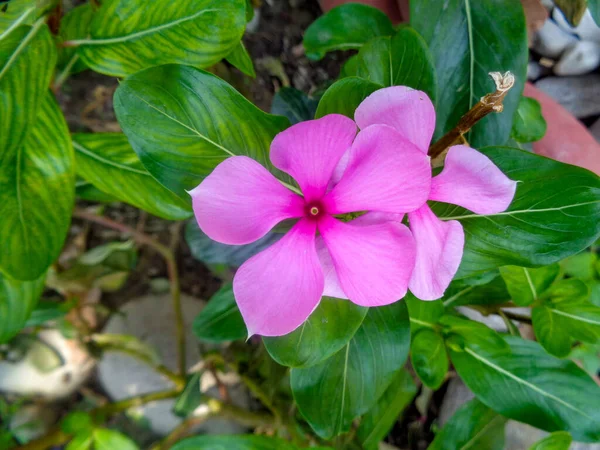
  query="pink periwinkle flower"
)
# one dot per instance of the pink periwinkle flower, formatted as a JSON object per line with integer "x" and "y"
{"x": 368, "y": 260}
{"x": 469, "y": 179}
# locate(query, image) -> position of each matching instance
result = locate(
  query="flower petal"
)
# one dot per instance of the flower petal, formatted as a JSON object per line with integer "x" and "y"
{"x": 385, "y": 172}
{"x": 408, "y": 111}
{"x": 471, "y": 180}
{"x": 373, "y": 262}
{"x": 240, "y": 201}
{"x": 332, "y": 283}
{"x": 309, "y": 151}
{"x": 277, "y": 289}
{"x": 439, "y": 251}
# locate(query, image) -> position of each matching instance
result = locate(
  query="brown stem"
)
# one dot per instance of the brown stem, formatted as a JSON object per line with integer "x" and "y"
{"x": 492, "y": 102}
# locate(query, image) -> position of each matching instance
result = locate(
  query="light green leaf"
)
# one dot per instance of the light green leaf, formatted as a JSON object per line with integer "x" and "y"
{"x": 233, "y": 443}
{"x": 570, "y": 290}
{"x": 330, "y": 395}
{"x": 428, "y": 357}
{"x": 77, "y": 422}
{"x": 550, "y": 331}
{"x": 220, "y": 320}
{"x": 526, "y": 285}
{"x": 108, "y": 162}
{"x": 293, "y": 104}
{"x": 573, "y": 10}
{"x": 560, "y": 440}
{"x": 17, "y": 301}
{"x": 423, "y": 313}
{"x": 81, "y": 441}
{"x": 240, "y": 58}
{"x": 473, "y": 426}
{"x": 20, "y": 12}
{"x": 345, "y": 27}
{"x": 327, "y": 330}
{"x": 87, "y": 191}
{"x": 152, "y": 33}
{"x": 344, "y": 96}
{"x": 580, "y": 266}
{"x": 377, "y": 423}
{"x": 182, "y": 122}
{"x": 74, "y": 25}
{"x": 468, "y": 39}
{"x": 529, "y": 124}
{"x": 581, "y": 319}
{"x": 555, "y": 214}
{"x": 105, "y": 439}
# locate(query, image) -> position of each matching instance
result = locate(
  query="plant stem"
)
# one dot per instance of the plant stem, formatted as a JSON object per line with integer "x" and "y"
{"x": 492, "y": 102}
{"x": 64, "y": 75}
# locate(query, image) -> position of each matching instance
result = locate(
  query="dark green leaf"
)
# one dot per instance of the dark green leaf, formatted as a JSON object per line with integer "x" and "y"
{"x": 17, "y": 301}
{"x": 529, "y": 124}
{"x": 345, "y": 27}
{"x": 473, "y": 426}
{"x": 190, "y": 398}
{"x": 429, "y": 358}
{"x": 105, "y": 439}
{"x": 550, "y": 331}
{"x": 464, "y": 333}
{"x": 108, "y": 162}
{"x": 573, "y": 10}
{"x": 555, "y": 214}
{"x": 552, "y": 394}
{"x": 468, "y": 40}
{"x": 333, "y": 393}
{"x": 423, "y": 313}
{"x": 526, "y": 285}
{"x": 233, "y": 443}
{"x": 461, "y": 292}
{"x": 47, "y": 310}
{"x": 74, "y": 25}
{"x": 87, "y": 191}
{"x": 327, "y": 330}
{"x": 560, "y": 440}
{"x": 344, "y": 96}
{"x": 400, "y": 60}
{"x": 220, "y": 320}
{"x": 580, "y": 319}
{"x": 153, "y": 33}
{"x": 240, "y": 58}
{"x": 182, "y": 122}
{"x": 293, "y": 104}
{"x": 377, "y": 423}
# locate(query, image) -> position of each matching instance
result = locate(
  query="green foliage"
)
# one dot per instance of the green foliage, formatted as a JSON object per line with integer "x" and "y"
{"x": 17, "y": 301}
{"x": 344, "y": 96}
{"x": 74, "y": 25}
{"x": 240, "y": 58}
{"x": 594, "y": 7}
{"x": 560, "y": 440}
{"x": 573, "y": 10}
{"x": 429, "y": 358}
{"x": 105, "y": 439}
{"x": 233, "y": 443}
{"x": 526, "y": 285}
{"x": 220, "y": 320}
{"x": 293, "y": 104}
{"x": 190, "y": 398}
{"x": 529, "y": 124}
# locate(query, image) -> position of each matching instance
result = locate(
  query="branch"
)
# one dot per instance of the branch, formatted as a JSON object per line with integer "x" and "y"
{"x": 492, "y": 102}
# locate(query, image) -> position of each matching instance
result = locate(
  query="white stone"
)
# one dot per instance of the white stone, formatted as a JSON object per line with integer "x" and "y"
{"x": 587, "y": 29}
{"x": 581, "y": 58}
{"x": 551, "y": 41}
{"x": 580, "y": 95}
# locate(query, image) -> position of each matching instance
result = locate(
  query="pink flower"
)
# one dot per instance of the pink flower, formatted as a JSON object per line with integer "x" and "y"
{"x": 368, "y": 260}
{"x": 469, "y": 179}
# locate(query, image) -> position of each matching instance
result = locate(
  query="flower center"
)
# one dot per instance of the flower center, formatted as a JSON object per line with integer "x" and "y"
{"x": 314, "y": 210}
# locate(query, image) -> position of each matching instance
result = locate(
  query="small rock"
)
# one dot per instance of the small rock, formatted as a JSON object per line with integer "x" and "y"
{"x": 551, "y": 40}
{"x": 581, "y": 58}
{"x": 535, "y": 70}
{"x": 587, "y": 30}
{"x": 579, "y": 95}
{"x": 493, "y": 321}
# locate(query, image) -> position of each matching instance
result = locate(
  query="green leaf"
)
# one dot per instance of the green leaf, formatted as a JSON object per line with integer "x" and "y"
{"x": 377, "y": 423}
{"x": 525, "y": 285}
{"x": 330, "y": 395}
{"x": 48, "y": 310}
{"x": 17, "y": 301}
{"x": 105, "y": 439}
{"x": 344, "y": 96}
{"x": 580, "y": 266}
{"x": 463, "y": 292}
{"x": 208, "y": 251}
{"x": 87, "y": 191}
{"x": 80, "y": 442}
{"x": 560, "y": 440}
{"x": 400, "y": 60}
{"x": 581, "y": 319}
{"x": 550, "y": 331}
{"x": 473, "y": 426}
{"x": 293, "y": 104}
{"x": 573, "y": 10}
{"x": 108, "y": 162}
{"x": 468, "y": 39}
{"x": 327, "y": 330}
{"x": 570, "y": 290}
{"x": 552, "y": 394}
{"x": 529, "y": 124}
{"x": 36, "y": 195}
{"x": 555, "y": 214}
{"x": 190, "y": 398}
{"x": 182, "y": 122}
{"x": 240, "y": 59}
{"x": 74, "y": 25}
{"x": 233, "y": 443}
{"x": 423, "y": 313}
{"x": 152, "y": 33}
{"x": 462, "y": 333}
{"x": 20, "y": 12}
{"x": 345, "y": 27}
{"x": 77, "y": 422}
{"x": 594, "y": 7}
{"x": 220, "y": 320}
{"x": 428, "y": 357}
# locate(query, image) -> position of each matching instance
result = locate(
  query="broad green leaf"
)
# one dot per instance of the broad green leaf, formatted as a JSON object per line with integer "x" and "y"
{"x": 569, "y": 291}
{"x": 208, "y": 251}
{"x": 555, "y": 214}
{"x": 529, "y": 124}
{"x": 580, "y": 266}
{"x": 399, "y": 60}
{"x": 464, "y": 332}
{"x": 182, "y": 122}
{"x": 20, "y": 12}
{"x": 105, "y": 439}
{"x": 573, "y": 10}
{"x": 220, "y": 320}
{"x": 77, "y": 422}
{"x": 17, "y": 301}
{"x": 293, "y": 104}
{"x": 594, "y": 7}
{"x": 463, "y": 292}
{"x": 580, "y": 319}
{"x": 152, "y": 33}
{"x": 377, "y": 423}
{"x": 327, "y": 330}
{"x": 81, "y": 441}
{"x": 468, "y": 39}
{"x": 108, "y": 162}
{"x": 428, "y": 357}
{"x": 588, "y": 356}
{"x": 560, "y": 440}
{"x": 240, "y": 58}
{"x": 36, "y": 195}
{"x": 330, "y": 395}
{"x": 552, "y": 394}
{"x": 87, "y": 191}
{"x": 473, "y": 426}
{"x": 233, "y": 443}
{"x": 344, "y": 96}
{"x": 423, "y": 313}
{"x": 74, "y": 25}
{"x": 551, "y": 331}
{"x": 190, "y": 398}
{"x": 526, "y": 285}
{"x": 48, "y": 310}
{"x": 345, "y": 27}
